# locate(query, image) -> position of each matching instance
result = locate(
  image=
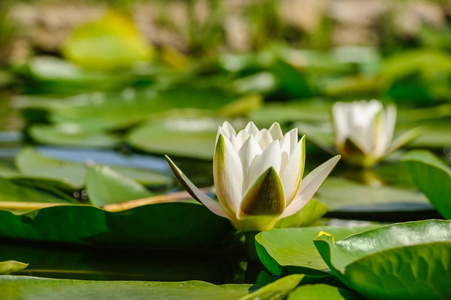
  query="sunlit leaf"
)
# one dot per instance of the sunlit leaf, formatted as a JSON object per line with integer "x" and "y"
{"x": 399, "y": 261}
{"x": 277, "y": 290}
{"x": 106, "y": 186}
{"x": 291, "y": 250}
{"x": 23, "y": 287}
{"x": 433, "y": 178}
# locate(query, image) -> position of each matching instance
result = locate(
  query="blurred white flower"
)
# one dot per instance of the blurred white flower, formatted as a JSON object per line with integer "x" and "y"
{"x": 363, "y": 131}
{"x": 257, "y": 176}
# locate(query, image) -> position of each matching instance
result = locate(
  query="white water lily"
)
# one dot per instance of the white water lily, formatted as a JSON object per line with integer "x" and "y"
{"x": 257, "y": 176}
{"x": 363, "y": 131}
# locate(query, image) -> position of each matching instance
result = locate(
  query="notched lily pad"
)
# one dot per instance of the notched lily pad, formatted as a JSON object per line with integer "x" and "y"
{"x": 291, "y": 250}
{"x": 400, "y": 261}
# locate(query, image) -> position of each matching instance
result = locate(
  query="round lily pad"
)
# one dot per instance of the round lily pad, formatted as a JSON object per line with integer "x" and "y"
{"x": 400, "y": 261}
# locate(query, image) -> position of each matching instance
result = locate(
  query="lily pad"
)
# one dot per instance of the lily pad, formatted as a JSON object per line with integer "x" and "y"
{"x": 71, "y": 135}
{"x": 276, "y": 290}
{"x": 100, "y": 111}
{"x": 24, "y": 287}
{"x": 346, "y": 197}
{"x": 322, "y": 291}
{"x": 433, "y": 178}
{"x": 399, "y": 261}
{"x": 33, "y": 165}
{"x": 106, "y": 186}
{"x": 162, "y": 225}
{"x": 67, "y": 175}
{"x": 179, "y": 137}
{"x": 13, "y": 192}
{"x": 291, "y": 250}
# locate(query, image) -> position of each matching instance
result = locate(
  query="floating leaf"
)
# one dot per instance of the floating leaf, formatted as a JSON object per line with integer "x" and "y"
{"x": 345, "y": 196}
{"x": 322, "y": 291}
{"x": 180, "y": 137}
{"x": 399, "y": 261}
{"x": 276, "y": 290}
{"x": 67, "y": 175}
{"x": 106, "y": 186}
{"x": 23, "y": 287}
{"x": 433, "y": 178}
{"x": 163, "y": 225}
{"x": 71, "y": 135}
{"x": 13, "y": 192}
{"x": 291, "y": 250}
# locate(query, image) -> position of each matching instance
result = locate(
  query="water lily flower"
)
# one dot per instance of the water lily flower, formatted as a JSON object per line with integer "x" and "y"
{"x": 258, "y": 176}
{"x": 363, "y": 131}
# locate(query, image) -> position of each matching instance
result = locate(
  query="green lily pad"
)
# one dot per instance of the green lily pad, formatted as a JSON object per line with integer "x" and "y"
{"x": 433, "y": 178}
{"x": 106, "y": 186}
{"x": 179, "y": 137}
{"x": 276, "y": 290}
{"x": 11, "y": 266}
{"x": 101, "y": 111}
{"x": 13, "y": 192}
{"x": 291, "y": 250}
{"x": 344, "y": 196}
{"x": 24, "y": 287}
{"x": 34, "y": 167}
{"x": 163, "y": 225}
{"x": 71, "y": 135}
{"x": 322, "y": 291}
{"x": 67, "y": 175}
{"x": 399, "y": 261}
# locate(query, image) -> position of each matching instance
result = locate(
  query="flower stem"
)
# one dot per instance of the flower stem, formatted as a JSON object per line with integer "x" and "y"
{"x": 250, "y": 246}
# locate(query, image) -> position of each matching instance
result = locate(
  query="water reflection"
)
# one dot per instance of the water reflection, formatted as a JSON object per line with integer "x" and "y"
{"x": 73, "y": 262}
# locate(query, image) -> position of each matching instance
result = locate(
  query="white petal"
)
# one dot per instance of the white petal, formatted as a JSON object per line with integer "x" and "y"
{"x": 276, "y": 131}
{"x": 264, "y": 138}
{"x": 228, "y": 175}
{"x": 289, "y": 141}
{"x": 247, "y": 154}
{"x": 390, "y": 122}
{"x": 239, "y": 139}
{"x": 251, "y": 129}
{"x": 270, "y": 157}
{"x": 340, "y": 122}
{"x": 309, "y": 185}
{"x": 292, "y": 175}
{"x": 228, "y": 130}
{"x": 362, "y": 129}
{"x": 197, "y": 194}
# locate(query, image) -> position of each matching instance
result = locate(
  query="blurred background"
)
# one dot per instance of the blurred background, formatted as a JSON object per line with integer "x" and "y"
{"x": 120, "y": 83}
{"x": 159, "y": 76}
